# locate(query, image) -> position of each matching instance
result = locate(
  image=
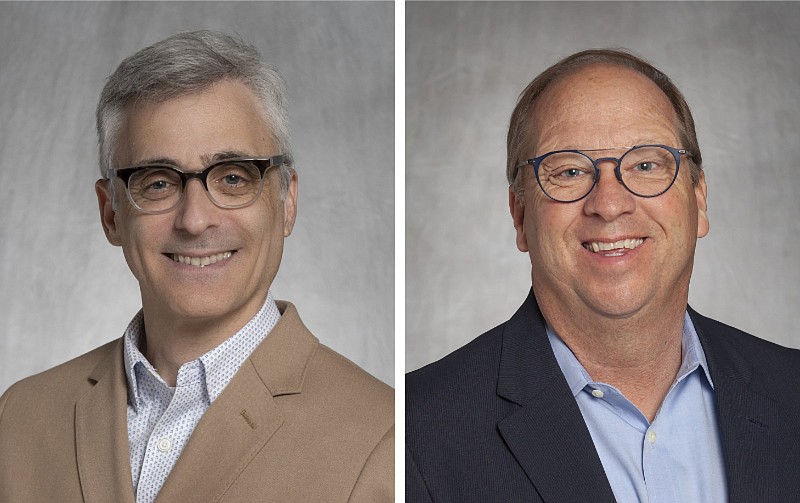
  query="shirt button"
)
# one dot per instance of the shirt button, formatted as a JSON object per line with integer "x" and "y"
{"x": 651, "y": 437}
{"x": 164, "y": 445}
{"x": 597, "y": 393}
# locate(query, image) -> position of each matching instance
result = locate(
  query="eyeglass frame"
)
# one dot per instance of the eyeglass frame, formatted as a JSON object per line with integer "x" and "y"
{"x": 536, "y": 161}
{"x": 261, "y": 163}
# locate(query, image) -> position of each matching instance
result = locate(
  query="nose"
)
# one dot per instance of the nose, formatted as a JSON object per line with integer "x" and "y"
{"x": 196, "y": 212}
{"x": 609, "y": 199}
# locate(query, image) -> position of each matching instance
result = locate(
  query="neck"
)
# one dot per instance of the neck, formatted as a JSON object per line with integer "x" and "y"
{"x": 172, "y": 339}
{"x": 640, "y": 354}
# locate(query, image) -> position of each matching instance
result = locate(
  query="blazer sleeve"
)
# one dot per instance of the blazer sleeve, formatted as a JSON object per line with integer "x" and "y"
{"x": 376, "y": 481}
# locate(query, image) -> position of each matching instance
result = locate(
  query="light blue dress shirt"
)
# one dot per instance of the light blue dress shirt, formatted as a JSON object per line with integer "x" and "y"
{"x": 675, "y": 459}
{"x": 161, "y": 419}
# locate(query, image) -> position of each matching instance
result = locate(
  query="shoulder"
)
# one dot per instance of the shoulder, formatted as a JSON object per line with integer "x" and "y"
{"x": 331, "y": 393}
{"x": 60, "y": 385}
{"x": 766, "y": 366}
{"x": 333, "y": 375}
{"x": 474, "y": 363}
{"x": 354, "y": 411}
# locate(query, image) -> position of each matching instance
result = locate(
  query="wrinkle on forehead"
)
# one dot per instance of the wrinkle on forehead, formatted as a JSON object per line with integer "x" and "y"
{"x": 601, "y": 106}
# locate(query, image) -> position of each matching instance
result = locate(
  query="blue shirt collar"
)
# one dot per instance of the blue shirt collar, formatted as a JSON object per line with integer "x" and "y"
{"x": 692, "y": 356}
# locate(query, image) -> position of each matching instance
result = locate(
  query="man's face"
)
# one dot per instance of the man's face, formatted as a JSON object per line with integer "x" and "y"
{"x": 190, "y": 131}
{"x": 606, "y": 107}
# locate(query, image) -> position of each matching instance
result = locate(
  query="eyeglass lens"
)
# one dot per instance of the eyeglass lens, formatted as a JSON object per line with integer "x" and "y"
{"x": 569, "y": 176}
{"x": 229, "y": 185}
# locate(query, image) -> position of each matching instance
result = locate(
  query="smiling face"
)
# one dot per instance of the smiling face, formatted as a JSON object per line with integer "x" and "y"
{"x": 613, "y": 253}
{"x": 199, "y": 262}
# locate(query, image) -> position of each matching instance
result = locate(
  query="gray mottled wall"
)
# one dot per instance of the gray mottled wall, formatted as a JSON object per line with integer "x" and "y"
{"x": 64, "y": 289}
{"x": 738, "y": 65}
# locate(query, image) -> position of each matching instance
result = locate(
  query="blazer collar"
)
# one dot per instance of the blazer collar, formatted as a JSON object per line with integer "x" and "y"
{"x": 744, "y": 414}
{"x": 231, "y": 432}
{"x": 101, "y": 436}
{"x": 546, "y": 433}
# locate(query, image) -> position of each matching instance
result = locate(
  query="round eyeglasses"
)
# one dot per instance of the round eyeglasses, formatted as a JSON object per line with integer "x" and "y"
{"x": 570, "y": 175}
{"x": 229, "y": 183}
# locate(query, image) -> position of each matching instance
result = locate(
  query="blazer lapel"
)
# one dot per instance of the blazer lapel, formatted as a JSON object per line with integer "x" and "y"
{"x": 245, "y": 416}
{"x": 744, "y": 417}
{"x": 101, "y": 432}
{"x": 230, "y": 433}
{"x": 546, "y": 434}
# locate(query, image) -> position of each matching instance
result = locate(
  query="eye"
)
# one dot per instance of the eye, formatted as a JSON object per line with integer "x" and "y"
{"x": 570, "y": 173}
{"x": 232, "y": 179}
{"x": 646, "y": 167}
{"x": 154, "y": 182}
{"x": 158, "y": 185}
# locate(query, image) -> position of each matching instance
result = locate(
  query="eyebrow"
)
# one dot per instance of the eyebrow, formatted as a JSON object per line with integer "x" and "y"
{"x": 205, "y": 158}
{"x": 617, "y": 147}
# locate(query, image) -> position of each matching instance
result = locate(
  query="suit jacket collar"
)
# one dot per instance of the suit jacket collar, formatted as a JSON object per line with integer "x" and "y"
{"x": 546, "y": 433}
{"x": 233, "y": 430}
{"x": 550, "y": 440}
{"x": 101, "y": 439}
{"x": 744, "y": 415}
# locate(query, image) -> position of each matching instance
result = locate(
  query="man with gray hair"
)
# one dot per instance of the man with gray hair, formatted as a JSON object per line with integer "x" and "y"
{"x": 216, "y": 391}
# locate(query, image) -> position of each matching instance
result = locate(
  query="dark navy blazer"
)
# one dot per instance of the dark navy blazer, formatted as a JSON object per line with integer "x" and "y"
{"x": 495, "y": 420}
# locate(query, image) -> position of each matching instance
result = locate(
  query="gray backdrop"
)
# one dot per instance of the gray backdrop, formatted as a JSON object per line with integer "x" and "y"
{"x": 466, "y": 63}
{"x": 65, "y": 290}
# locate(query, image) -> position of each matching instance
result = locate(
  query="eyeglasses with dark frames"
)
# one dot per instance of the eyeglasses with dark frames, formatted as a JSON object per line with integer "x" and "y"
{"x": 570, "y": 175}
{"x": 229, "y": 183}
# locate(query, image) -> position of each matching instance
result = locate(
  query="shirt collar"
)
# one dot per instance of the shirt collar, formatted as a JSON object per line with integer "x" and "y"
{"x": 217, "y": 367}
{"x": 692, "y": 356}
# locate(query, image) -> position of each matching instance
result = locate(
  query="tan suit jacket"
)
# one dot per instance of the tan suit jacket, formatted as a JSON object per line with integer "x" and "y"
{"x": 298, "y": 422}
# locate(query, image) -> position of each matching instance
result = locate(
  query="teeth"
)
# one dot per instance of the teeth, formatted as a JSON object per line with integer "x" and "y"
{"x": 200, "y": 261}
{"x": 598, "y": 246}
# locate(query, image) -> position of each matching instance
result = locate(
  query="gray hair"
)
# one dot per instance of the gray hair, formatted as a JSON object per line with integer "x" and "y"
{"x": 186, "y": 63}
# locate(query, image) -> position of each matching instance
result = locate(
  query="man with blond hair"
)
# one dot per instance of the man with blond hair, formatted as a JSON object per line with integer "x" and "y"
{"x": 605, "y": 386}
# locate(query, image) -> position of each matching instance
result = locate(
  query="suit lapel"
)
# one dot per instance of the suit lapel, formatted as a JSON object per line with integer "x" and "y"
{"x": 243, "y": 419}
{"x": 101, "y": 432}
{"x": 230, "y": 433}
{"x": 744, "y": 416}
{"x": 546, "y": 434}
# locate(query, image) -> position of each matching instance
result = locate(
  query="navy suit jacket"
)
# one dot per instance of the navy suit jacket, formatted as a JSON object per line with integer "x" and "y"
{"x": 496, "y": 421}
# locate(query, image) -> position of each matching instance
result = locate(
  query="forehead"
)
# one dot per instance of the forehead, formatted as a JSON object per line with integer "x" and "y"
{"x": 224, "y": 117}
{"x": 602, "y": 106}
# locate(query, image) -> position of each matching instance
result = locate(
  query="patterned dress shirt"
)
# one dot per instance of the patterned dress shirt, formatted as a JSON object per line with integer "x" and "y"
{"x": 160, "y": 418}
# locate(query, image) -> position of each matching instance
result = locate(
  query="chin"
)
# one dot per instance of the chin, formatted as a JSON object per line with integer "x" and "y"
{"x": 615, "y": 304}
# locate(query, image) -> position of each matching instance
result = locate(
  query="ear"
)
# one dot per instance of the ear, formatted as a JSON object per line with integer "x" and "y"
{"x": 516, "y": 206}
{"x": 290, "y": 205}
{"x": 108, "y": 219}
{"x": 701, "y": 193}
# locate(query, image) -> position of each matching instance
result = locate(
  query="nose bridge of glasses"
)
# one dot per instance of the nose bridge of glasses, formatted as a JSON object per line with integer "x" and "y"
{"x": 615, "y": 161}
{"x": 187, "y": 176}
{"x": 201, "y": 177}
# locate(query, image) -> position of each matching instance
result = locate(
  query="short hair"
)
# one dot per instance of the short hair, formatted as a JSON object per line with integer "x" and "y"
{"x": 521, "y": 124}
{"x": 186, "y": 63}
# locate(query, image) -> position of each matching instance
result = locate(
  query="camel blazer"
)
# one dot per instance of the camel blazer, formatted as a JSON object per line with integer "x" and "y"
{"x": 298, "y": 422}
{"x": 495, "y": 421}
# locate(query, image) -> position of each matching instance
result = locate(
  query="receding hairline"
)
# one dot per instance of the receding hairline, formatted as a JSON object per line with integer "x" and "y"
{"x": 535, "y": 117}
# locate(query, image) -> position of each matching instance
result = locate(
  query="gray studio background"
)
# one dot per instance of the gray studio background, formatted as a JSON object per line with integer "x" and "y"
{"x": 466, "y": 63}
{"x": 65, "y": 290}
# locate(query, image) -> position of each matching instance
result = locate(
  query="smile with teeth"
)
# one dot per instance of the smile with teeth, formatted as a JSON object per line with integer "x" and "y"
{"x": 599, "y": 246}
{"x": 200, "y": 261}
